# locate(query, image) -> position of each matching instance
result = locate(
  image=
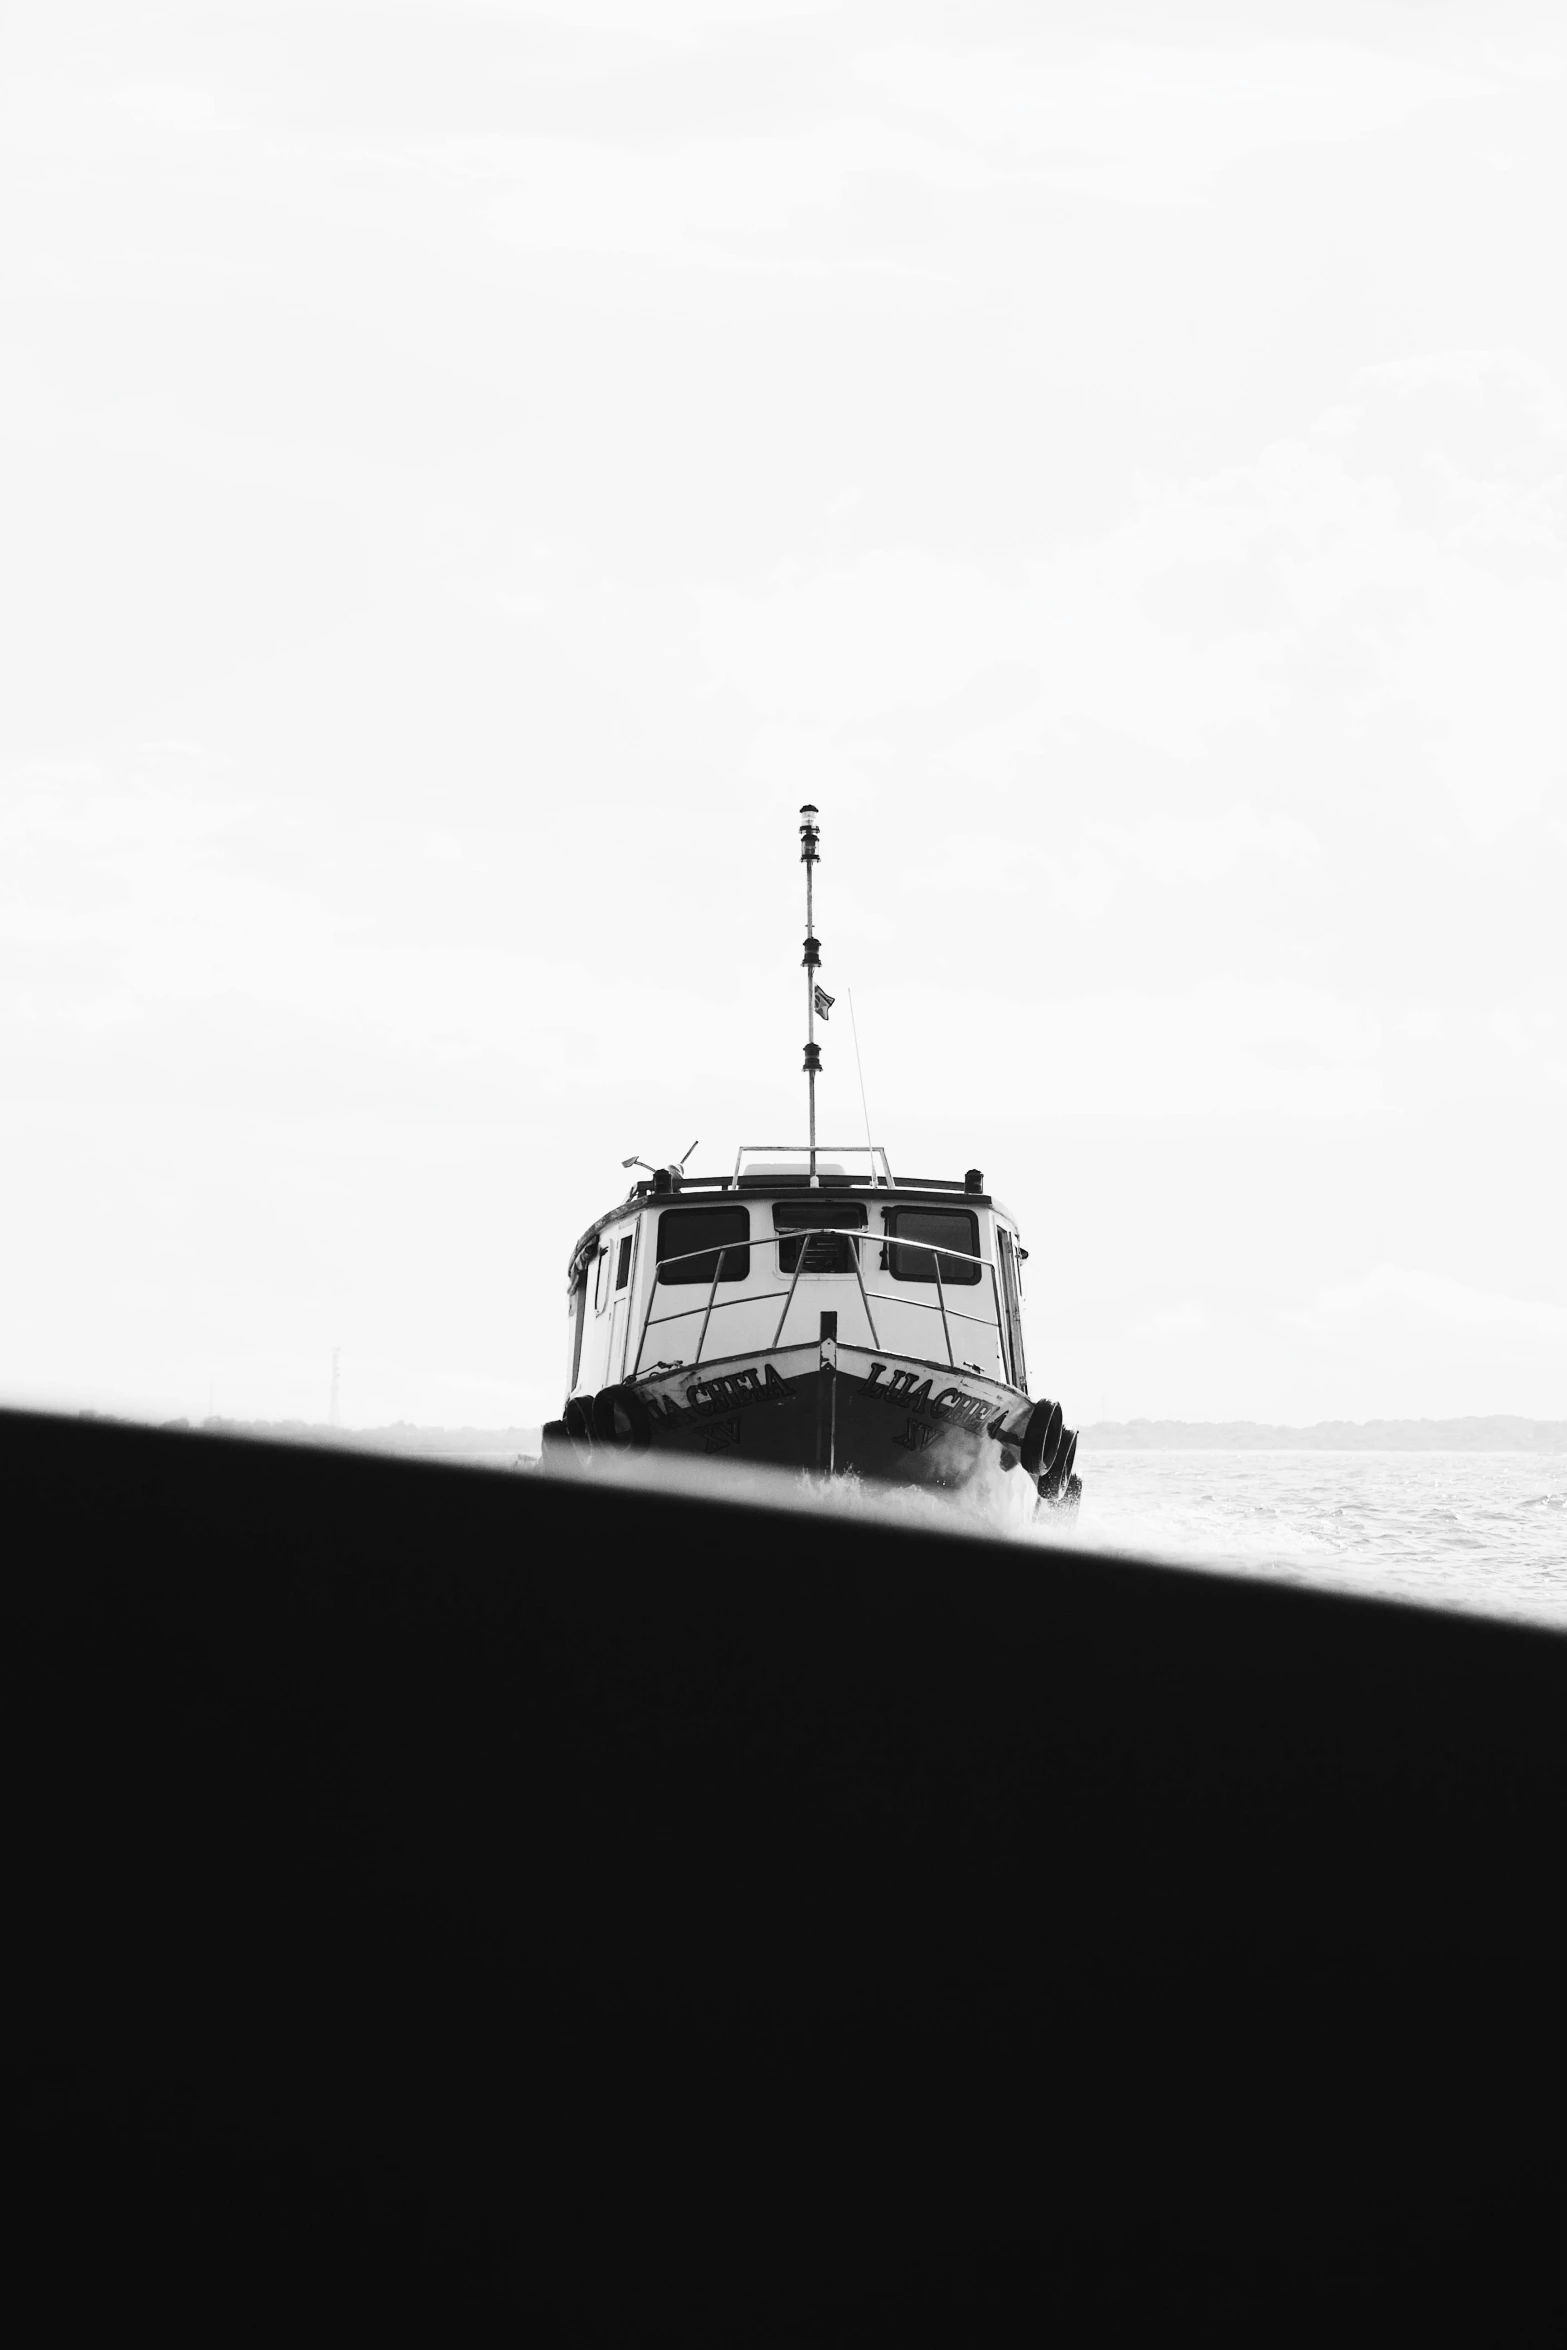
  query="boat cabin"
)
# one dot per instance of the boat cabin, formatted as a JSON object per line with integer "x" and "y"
{"x": 692, "y": 1270}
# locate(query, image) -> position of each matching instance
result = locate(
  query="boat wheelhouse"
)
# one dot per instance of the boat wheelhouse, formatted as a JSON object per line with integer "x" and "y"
{"x": 812, "y": 1310}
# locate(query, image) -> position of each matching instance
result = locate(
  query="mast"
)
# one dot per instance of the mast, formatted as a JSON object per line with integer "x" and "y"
{"x": 809, "y": 837}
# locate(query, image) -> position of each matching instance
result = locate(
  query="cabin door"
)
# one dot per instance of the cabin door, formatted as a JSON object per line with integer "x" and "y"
{"x": 579, "y": 1323}
{"x": 620, "y": 1307}
{"x": 1012, "y": 1296}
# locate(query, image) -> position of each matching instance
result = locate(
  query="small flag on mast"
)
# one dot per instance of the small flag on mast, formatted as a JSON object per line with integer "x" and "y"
{"x": 824, "y": 1003}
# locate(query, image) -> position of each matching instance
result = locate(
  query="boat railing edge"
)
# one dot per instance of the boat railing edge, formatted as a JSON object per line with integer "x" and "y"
{"x": 715, "y": 1304}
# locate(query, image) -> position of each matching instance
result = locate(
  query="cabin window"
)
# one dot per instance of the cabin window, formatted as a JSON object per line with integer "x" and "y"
{"x": 696, "y": 1236}
{"x": 832, "y": 1252}
{"x": 945, "y": 1228}
{"x": 600, "y": 1280}
{"x": 623, "y": 1262}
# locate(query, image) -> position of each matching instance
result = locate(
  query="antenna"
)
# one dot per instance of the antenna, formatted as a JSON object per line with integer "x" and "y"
{"x": 677, "y": 1166}
{"x": 854, "y": 1030}
{"x": 811, "y": 960}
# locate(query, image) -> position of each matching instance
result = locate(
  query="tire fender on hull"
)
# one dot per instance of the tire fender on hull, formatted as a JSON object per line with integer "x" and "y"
{"x": 1057, "y": 1483}
{"x": 1041, "y": 1440}
{"x": 621, "y": 1417}
{"x": 578, "y": 1418}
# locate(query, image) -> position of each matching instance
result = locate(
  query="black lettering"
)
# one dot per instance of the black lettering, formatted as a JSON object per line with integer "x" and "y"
{"x": 914, "y": 1437}
{"x": 730, "y": 1388}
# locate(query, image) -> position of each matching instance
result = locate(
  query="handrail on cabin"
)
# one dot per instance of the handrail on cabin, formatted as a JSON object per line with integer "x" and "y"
{"x": 859, "y": 1150}
{"x": 856, "y": 1233}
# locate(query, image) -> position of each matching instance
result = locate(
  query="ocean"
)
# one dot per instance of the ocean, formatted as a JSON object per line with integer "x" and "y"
{"x": 1485, "y": 1531}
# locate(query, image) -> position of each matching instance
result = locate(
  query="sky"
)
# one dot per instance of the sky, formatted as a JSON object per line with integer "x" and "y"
{"x": 472, "y": 468}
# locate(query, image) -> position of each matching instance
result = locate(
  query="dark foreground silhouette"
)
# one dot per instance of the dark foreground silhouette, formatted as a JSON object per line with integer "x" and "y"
{"x": 476, "y": 1907}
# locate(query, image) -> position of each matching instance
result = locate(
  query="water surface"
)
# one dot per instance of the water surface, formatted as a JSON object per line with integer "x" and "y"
{"x": 1484, "y": 1531}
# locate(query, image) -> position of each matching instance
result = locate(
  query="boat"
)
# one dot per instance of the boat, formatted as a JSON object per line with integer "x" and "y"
{"x": 811, "y": 1310}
